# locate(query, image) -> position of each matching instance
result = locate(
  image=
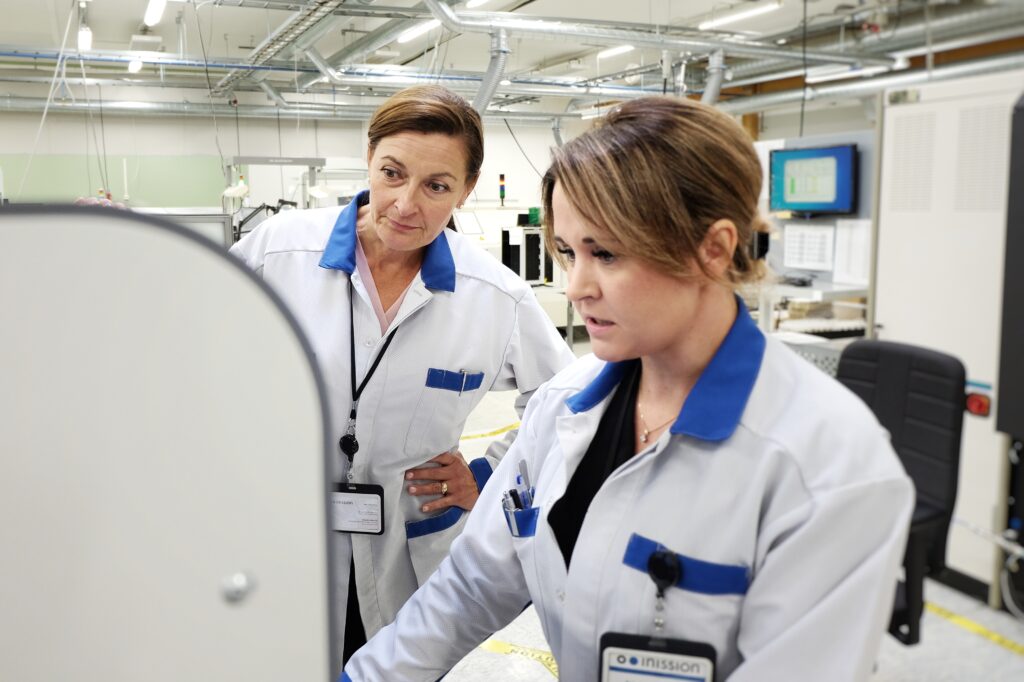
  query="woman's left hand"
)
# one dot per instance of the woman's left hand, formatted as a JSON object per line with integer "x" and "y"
{"x": 451, "y": 479}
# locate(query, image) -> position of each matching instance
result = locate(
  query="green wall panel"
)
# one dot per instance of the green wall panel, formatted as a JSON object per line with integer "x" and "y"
{"x": 152, "y": 180}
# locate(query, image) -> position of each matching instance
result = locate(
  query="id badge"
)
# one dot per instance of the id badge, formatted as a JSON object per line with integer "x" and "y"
{"x": 639, "y": 658}
{"x": 358, "y": 508}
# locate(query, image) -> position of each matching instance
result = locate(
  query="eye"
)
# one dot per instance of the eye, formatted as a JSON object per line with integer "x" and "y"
{"x": 438, "y": 187}
{"x": 567, "y": 254}
{"x": 606, "y": 257}
{"x": 389, "y": 173}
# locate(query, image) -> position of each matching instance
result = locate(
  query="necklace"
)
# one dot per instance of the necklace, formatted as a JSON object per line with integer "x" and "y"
{"x": 643, "y": 422}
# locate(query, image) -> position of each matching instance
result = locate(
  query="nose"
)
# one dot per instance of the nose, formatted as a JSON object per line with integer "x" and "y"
{"x": 581, "y": 284}
{"x": 405, "y": 203}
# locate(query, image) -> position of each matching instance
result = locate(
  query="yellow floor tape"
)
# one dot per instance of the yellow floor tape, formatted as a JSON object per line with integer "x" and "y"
{"x": 977, "y": 629}
{"x": 491, "y": 434}
{"x": 543, "y": 657}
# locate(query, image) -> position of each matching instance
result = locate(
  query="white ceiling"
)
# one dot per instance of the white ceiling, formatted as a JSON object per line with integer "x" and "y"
{"x": 231, "y": 29}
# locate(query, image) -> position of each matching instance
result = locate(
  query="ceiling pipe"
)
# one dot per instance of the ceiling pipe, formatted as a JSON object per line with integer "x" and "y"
{"x": 517, "y": 25}
{"x": 467, "y": 82}
{"x": 495, "y": 70}
{"x": 716, "y": 74}
{"x": 375, "y": 40}
{"x": 909, "y": 33}
{"x": 944, "y": 46}
{"x": 870, "y": 86}
{"x": 294, "y": 28}
{"x": 310, "y": 111}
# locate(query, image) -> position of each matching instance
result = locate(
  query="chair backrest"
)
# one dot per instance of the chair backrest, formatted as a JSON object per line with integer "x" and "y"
{"x": 918, "y": 395}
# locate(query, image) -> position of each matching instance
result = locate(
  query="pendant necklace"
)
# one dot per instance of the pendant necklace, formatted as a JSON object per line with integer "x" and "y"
{"x": 643, "y": 423}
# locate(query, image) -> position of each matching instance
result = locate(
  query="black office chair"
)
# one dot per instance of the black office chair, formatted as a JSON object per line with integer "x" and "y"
{"x": 918, "y": 395}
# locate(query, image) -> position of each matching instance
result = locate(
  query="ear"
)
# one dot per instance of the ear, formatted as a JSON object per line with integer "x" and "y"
{"x": 718, "y": 247}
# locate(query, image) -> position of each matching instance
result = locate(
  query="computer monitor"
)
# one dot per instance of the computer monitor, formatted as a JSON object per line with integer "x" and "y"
{"x": 814, "y": 181}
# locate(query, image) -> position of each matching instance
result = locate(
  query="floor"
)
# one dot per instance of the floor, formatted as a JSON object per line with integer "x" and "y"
{"x": 962, "y": 638}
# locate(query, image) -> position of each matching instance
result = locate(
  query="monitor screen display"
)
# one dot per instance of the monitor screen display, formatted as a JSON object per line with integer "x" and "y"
{"x": 816, "y": 180}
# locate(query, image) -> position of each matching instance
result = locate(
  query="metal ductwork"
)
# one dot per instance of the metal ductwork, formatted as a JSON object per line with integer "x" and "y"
{"x": 716, "y": 74}
{"x": 320, "y": 112}
{"x": 307, "y": 19}
{"x": 368, "y": 43}
{"x": 559, "y": 30}
{"x": 465, "y": 83}
{"x": 908, "y": 34}
{"x": 495, "y": 70}
{"x": 871, "y": 86}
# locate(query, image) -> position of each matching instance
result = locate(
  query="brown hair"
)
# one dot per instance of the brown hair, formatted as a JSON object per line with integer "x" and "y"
{"x": 655, "y": 174}
{"x": 431, "y": 109}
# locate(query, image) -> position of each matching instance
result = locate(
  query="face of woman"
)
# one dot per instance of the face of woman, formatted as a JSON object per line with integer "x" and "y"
{"x": 416, "y": 181}
{"x": 631, "y": 309}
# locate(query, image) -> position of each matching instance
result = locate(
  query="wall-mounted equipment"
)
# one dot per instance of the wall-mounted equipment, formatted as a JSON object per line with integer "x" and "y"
{"x": 820, "y": 180}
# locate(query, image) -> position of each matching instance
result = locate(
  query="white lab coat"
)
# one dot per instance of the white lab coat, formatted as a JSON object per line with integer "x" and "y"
{"x": 465, "y": 311}
{"x": 796, "y": 488}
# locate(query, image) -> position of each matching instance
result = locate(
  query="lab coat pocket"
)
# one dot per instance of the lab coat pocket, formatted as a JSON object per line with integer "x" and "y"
{"x": 446, "y": 399}
{"x": 522, "y": 522}
{"x": 430, "y": 539}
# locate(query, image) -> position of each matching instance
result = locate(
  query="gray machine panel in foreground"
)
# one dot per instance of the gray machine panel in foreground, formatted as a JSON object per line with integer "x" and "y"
{"x": 162, "y": 433}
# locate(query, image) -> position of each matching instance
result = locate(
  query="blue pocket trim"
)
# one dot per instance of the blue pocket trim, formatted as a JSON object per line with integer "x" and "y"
{"x": 522, "y": 523}
{"x": 482, "y": 470}
{"x": 345, "y": 677}
{"x": 435, "y": 524}
{"x": 697, "y": 576}
{"x": 460, "y": 382}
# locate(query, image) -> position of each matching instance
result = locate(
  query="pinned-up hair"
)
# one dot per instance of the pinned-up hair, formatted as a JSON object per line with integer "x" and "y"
{"x": 431, "y": 109}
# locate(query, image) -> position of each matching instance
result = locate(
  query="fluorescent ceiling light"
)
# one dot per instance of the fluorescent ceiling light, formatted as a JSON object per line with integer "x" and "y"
{"x": 417, "y": 31}
{"x": 614, "y": 51}
{"x": 505, "y": 81}
{"x": 135, "y": 65}
{"x": 823, "y": 74}
{"x": 154, "y": 12}
{"x": 84, "y": 38}
{"x": 476, "y": 3}
{"x": 740, "y": 15}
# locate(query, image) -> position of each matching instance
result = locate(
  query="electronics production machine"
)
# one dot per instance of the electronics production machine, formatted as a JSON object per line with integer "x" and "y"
{"x": 163, "y": 453}
{"x": 948, "y": 277}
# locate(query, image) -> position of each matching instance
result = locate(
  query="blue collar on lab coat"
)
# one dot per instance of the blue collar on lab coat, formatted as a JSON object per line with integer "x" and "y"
{"x": 437, "y": 271}
{"x": 712, "y": 410}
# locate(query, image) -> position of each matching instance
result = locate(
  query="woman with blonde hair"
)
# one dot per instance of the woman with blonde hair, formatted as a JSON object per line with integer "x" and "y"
{"x": 693, "y": 500}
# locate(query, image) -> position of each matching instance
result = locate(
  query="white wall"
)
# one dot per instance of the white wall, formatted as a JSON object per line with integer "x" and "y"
{"x": 819, "y": 119}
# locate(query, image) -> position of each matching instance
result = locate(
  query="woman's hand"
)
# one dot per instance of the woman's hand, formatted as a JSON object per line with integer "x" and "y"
{"x": 451, "y": 479}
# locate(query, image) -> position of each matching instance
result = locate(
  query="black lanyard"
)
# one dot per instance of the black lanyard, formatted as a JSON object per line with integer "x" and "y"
{"x": 348, "y": 443}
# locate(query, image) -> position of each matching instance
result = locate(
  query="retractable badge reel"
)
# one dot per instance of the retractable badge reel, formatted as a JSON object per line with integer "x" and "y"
{"x": 627, "y": 657}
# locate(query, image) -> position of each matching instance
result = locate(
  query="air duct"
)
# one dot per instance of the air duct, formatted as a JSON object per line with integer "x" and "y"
{"x": 495, "y": 70}
{"x": 559, "y": 30}
{"x": 870, "y": 86}
{"x": 716, "y": 74}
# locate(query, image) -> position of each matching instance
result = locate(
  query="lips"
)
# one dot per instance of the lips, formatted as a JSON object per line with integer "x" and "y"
{"x": 401, "y": 226}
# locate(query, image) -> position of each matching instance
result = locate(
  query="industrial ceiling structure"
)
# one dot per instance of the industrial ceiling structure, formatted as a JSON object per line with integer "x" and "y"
{"x": 522, "y": 59}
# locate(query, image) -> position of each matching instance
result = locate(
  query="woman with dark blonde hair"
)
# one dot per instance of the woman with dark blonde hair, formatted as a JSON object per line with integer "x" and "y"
{"x": 693, "y": 501}
{"x": 411, "y": 324}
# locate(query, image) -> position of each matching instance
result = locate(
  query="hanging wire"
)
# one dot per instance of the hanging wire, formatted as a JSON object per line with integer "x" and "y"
{"x": 92, "y": 127}
{"x": 523, "y": 151}
{"x": 103, "y": 136}
{"x": 803, "y": 48}
{"x": 209, "y": 83}
{"x": 49, "y": 99}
